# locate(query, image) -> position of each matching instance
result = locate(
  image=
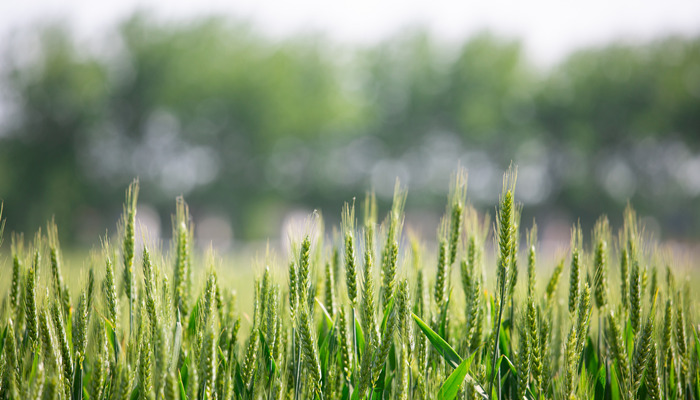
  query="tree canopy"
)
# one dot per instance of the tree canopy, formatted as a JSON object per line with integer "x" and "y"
{"x": 251, "y": 127}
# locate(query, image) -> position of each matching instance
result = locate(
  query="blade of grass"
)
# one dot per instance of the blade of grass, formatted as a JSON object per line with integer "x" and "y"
{"x": 450, "y": 388}
{"x": 447, "y": 352}
{"x": 328, "y": 319}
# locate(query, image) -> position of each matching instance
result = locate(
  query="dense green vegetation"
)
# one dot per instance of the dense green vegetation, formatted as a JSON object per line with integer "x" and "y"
{"x": 265, "y": 126}
{"x": 366, "y": 313}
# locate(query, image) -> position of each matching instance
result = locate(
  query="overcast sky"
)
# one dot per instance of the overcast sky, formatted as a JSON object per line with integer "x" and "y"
{"x": 548, "y": 28}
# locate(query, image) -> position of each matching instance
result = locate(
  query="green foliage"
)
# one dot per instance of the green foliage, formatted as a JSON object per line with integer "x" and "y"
{"x": 227, "y": 100}
{"x": 450, "y": 388}
{"x": 303, "y": 343}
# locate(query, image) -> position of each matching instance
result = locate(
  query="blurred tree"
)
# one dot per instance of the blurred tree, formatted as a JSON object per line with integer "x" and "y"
{"x": 251, "y": 127}
{"x": 621, "y": 106}
{"x": 233, "y": 97}
{"x": 60, "y": 98}
{"x": 489, "y": 93}
{"x": 404, "y": 79}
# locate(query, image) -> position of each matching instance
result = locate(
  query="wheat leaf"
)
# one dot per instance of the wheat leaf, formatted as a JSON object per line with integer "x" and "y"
{"x": 450, "y": 388}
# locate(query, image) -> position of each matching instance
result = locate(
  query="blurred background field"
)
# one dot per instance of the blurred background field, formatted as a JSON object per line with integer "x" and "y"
{"x": 258, "y": 123}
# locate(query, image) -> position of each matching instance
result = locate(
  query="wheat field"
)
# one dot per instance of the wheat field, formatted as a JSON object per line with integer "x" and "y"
{"x": 365, "y": 313}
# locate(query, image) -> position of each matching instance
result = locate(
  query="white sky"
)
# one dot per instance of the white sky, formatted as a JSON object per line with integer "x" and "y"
{"x": 548, "y": 28}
